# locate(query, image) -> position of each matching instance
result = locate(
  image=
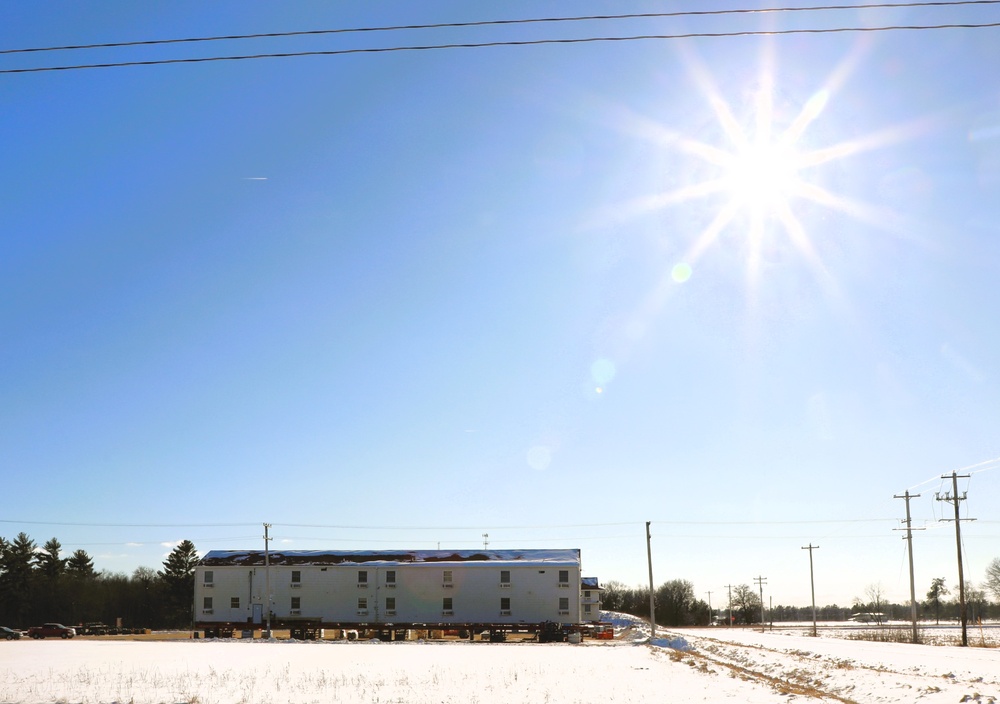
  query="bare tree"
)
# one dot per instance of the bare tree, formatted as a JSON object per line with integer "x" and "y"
{"x": 872, "y": 607}
{"x": 674, "y": 600}
{"x": 975, "y": 598}
{"x": 937, "y": 591}
{"x": 992, "y": 581}
{"x": 746, "y": 604}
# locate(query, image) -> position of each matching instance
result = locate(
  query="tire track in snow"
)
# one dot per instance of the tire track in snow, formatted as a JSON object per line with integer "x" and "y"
{"x": 782, "y": 685}
{"x": 830, "y": 676}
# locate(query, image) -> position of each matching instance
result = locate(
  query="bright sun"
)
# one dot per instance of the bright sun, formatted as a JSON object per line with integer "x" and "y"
{"x": 761, "y": 171}
{"x": 760, "y": 175}
{"x": 763, "y": 176}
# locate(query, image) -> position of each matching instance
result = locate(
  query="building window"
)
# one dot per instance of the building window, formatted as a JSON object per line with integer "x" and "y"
{"x": 446, "y": 578}
{"x": 209, "y": 580}
{"x": 586, "y": 595}
{"x": 505, "y": 606}
{"x": 390, "y": 578}
{"x": 296, "y": 578}
{"x": 447, "y": 606}
{"x": 362, "y": 578}
{"x": 207, "y": 603}
{"x": 390, "y": 605}
{"x": 586, "y": 608}
{"x": 296, "y": 603}
{"x": 234, "y": 602}
{"x": 362, "y": 603}
{"x": 504, "y": 578}
{"x": 563, "y": 578}
{"x": 564, "y": 605}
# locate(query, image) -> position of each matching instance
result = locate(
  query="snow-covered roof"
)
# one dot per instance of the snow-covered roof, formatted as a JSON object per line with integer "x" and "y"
{"x": 214, "y": 558}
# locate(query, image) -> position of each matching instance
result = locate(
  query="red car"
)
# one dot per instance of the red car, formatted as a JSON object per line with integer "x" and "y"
{"x": 51, "y": 630}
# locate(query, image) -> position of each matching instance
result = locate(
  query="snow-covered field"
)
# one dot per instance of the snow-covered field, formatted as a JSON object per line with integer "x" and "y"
{"x": 703, "y": 665}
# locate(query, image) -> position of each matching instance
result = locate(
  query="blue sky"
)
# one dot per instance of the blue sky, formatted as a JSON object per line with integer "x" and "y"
{"x": 741, "y": 287}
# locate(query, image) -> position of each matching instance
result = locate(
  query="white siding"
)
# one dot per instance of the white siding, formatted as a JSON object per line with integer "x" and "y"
{"x": 329, "y": 593}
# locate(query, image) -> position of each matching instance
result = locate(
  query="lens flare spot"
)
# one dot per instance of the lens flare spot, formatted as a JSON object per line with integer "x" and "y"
{"x": 602, "y": 371}
{"x": 815, "y": 105}
{"x": 681, "y": 272}
{"x": 539, "y": 457}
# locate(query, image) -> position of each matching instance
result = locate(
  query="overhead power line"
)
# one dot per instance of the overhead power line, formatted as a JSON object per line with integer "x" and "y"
{"x": 495, "y": 23}
{"x": 448, "y": 527}
{"x": 481, "y": 45}
{"x": 130, "y": 525}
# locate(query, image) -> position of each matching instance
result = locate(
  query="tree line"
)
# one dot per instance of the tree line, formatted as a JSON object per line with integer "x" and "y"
{"x": 936, "y": 606}
{"x": 675, "y": 603}
{"x": 38, "y": 585}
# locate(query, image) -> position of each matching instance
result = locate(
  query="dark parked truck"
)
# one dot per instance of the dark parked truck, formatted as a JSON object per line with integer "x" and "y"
{"x": 92, "y": 629}
{"x": 51, "y": 630}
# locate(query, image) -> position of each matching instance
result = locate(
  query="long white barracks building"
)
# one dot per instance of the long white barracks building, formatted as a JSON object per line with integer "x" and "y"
{"x": 504, "y": 590}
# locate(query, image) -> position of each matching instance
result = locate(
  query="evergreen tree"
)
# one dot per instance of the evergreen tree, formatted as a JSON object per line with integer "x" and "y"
{"x": 17, "y": 567}
{"x": 5, "y": 614}
{"x": 148, "y": 589}
{"x": 51, "y": 595}
{"x": 80, "y": 564}
{"x": 178, "y": 581}
{"x": 49, "y": 562}
{"x": 80, "y": 590}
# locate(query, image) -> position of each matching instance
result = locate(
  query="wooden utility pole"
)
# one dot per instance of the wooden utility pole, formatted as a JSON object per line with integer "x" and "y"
{"x": 652, "y": 605}
{"x": 267, "y": 578}
{"x": 812, "y": 583}
{"x": 909, "y": 550}
{"x": 710, "y": 615}
{"x": 955, "y": 499}
{"x": 730, "y": 588}
{"x": 761, "y": 581}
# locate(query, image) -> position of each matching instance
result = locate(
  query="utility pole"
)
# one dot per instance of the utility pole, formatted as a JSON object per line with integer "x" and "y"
{"x": 909, "y": 550}
{"x": 761, "y": 581}
{"x": 729, "y": 588}
{"x": 652, "y": 605}
{"x": 486, "y": 541}
{"x": 267, "y": 577}
{"x": 710, "y": 616}
{"x": 955, "y": 499}
{"x": 812, "y": 582}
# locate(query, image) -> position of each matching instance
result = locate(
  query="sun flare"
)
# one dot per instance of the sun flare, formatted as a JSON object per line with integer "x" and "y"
{"x": 763, "y": 176}
{"x": 763, "y": 172}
